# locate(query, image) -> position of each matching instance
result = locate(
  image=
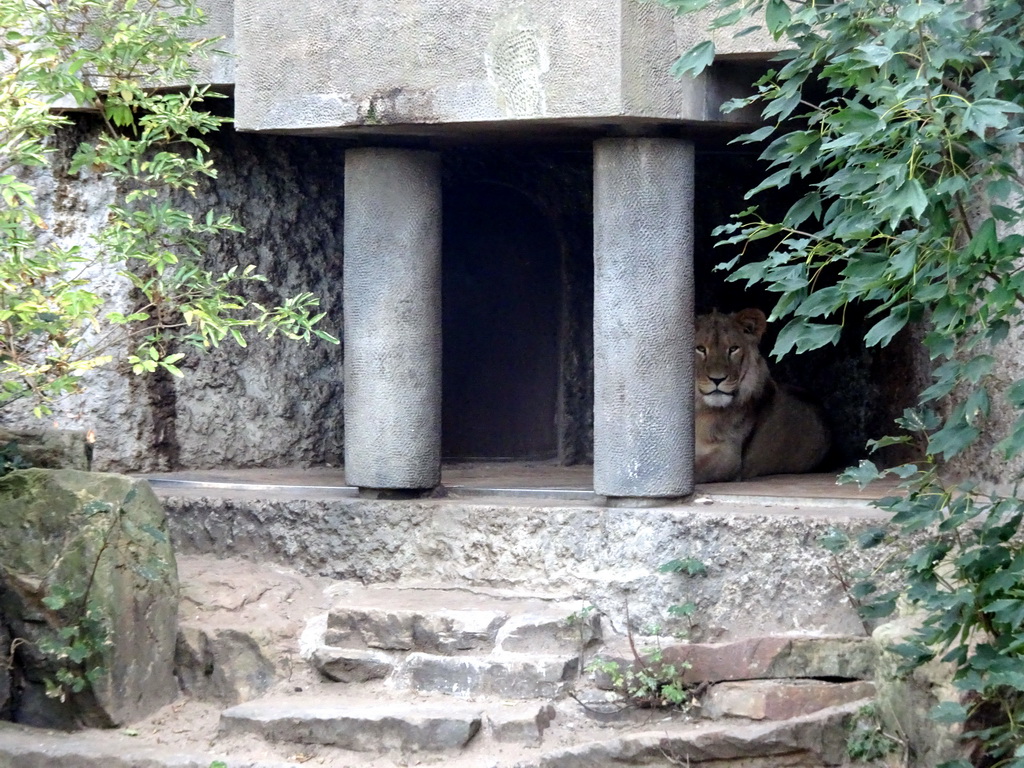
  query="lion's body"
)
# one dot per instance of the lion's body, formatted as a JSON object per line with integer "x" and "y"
{"x": 746, "y": 424}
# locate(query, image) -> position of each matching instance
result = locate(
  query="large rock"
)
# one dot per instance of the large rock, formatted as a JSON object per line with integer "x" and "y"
{"x": 100, "y": 540}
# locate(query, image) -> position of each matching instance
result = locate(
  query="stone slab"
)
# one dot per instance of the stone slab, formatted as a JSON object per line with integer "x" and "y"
{"x": 508, "y": 676}
{"x": 352, "y": 665}
{"x": 804, "y": 742}
{"x": 397, "y": 630}
{"x": 359, "y": 726}
{"x": 780, "y": 699}
{"x": 848, "y": 658}
{"x": 522, "y": 724}
{"x": 226, "y": 665}
{"x": 553, "y": 631}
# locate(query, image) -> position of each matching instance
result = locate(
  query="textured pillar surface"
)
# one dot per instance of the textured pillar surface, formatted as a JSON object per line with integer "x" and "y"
{"x": 643, "y": 318}
{"x": 392, "y": 299}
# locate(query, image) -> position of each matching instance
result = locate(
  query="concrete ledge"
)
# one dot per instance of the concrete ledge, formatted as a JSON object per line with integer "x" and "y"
{"x": 766, "y": 572}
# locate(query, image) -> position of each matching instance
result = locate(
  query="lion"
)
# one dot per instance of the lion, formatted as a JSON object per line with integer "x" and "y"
{"x": 746, "y": 424}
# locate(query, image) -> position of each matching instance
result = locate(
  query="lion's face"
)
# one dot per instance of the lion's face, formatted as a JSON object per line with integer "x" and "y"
{"x": 729, "y": 369}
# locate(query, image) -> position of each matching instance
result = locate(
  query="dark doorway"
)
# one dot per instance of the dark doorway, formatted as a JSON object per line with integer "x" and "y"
{"x": 501, "y": 294}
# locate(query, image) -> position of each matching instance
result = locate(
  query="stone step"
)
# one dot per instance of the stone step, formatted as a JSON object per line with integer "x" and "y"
{"x": 510, "y": 676}
{"x": 455, "y": 621}
{"x": 816, "y": 739}
{"x": 836, "y": 658}
{"x": 780, "y": 699}
{"x": 361, "y": 726}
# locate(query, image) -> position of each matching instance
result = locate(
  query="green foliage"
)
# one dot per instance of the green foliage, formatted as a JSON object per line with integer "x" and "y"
{"x": 685, "y": 566}
{"x": 648, "y": 681}
{"x": 866, "y": 739}
{"x": 109, "y": 55}
{"x": 901, "y": 125}
{"x": 11, "y": 458}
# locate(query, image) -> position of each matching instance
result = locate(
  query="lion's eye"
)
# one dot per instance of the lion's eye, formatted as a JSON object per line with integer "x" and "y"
{"x": 700, "y": 350}
{"x": 733, "y": 350}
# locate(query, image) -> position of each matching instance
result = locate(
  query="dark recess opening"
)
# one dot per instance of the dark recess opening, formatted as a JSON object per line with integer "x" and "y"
{"x": 501, "y": 298}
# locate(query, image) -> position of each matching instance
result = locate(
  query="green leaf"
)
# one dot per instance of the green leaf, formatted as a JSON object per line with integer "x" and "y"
{"x": 695, "y": 60}
{"x": 776, "y": 16}
{"x": 691, "y": 566}
{"x": 883, "y": 331}
{"x": 949, "y": 712}
{"x": 910, "y": 196}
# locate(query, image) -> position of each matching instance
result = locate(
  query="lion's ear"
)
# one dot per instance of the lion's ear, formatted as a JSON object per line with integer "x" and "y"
{"x": 752, "y": 321}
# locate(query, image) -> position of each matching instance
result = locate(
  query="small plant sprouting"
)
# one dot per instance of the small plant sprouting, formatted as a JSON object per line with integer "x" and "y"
{"x": 688, "y": 566}
{"x": 866, "y": 740}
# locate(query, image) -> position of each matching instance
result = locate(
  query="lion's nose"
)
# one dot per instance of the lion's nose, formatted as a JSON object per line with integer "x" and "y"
{"x": 717, "y": 380}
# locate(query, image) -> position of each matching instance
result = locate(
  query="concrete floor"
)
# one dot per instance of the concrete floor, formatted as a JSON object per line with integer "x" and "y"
{"x": 512, "y": 479}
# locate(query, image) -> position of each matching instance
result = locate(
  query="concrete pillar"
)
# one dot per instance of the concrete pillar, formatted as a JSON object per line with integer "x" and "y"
{"x": 643, "y": 318}
{"x": 392, "y": 297}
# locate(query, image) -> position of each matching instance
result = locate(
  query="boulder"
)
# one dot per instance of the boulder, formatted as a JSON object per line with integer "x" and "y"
{"x": 79, "y": 548}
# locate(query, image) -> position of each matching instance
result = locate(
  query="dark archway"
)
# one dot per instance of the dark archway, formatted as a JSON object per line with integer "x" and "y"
{"x": 501, "y": 293}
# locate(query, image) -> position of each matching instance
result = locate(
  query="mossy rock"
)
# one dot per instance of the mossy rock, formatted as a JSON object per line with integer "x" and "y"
{"x": 65, "y": 534}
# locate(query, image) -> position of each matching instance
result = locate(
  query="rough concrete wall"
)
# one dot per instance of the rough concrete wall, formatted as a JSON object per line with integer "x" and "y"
{"x": 464, "y": 61}
{"x": 276, "y": 402}
{"x": 643, "y": 317}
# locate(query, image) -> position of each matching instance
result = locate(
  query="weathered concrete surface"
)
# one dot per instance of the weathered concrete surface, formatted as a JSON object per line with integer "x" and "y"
{"x": 392, "y": 293}
{"x": 643, "y": 317}
{"x": 780, "y": 699}
{"x": 103, "y": 539}
{"x": 460, "y": 62}
{"x": 766, "y": 572}
{"x": 362, "y": 727}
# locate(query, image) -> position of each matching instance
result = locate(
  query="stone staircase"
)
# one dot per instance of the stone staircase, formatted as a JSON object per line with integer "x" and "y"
{"x": 427, "y": 670}
{"x": 464, "y": 634}
{"x": 464, "y": 677}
